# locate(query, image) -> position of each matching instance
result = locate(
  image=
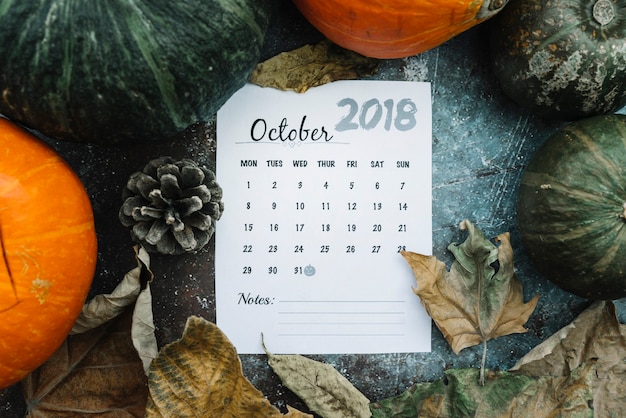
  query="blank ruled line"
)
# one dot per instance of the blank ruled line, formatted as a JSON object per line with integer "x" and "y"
{"x": 341, "y": 301}
{"x": 340, "y": 335}
{"x": 340, "y": 313}
{"x": 341, "y": 323}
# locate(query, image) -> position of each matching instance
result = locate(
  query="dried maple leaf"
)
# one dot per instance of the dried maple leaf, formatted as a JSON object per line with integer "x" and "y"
{"x": 479, "y": 298}
{"x": 201, "y": 375}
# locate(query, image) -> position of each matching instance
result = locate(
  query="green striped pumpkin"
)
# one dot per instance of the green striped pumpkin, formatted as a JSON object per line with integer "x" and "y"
{"x": 571, "y": 208}
{"x": 121, "y": 70}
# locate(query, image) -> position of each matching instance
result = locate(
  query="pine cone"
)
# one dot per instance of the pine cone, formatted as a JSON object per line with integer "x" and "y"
{"x": 171, "y": 206}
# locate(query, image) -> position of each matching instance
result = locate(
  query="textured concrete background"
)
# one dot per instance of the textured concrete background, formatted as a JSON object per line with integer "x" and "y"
{"x": 481, "y": 143}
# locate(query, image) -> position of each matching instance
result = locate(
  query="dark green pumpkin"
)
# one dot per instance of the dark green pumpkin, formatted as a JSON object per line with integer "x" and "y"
{"x": 571, "y": 209}
{"x": 123, "y": 71}
{"x": 562, "y": 59}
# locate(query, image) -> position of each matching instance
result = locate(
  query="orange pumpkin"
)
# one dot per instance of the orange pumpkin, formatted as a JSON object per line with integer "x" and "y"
{"x": 395, "y": 28}
{"x": 48, "y": 251}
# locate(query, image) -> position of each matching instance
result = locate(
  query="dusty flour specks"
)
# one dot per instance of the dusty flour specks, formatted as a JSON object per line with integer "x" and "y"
{"x": 203, "y": 301}
{"x": 415, "y": 68}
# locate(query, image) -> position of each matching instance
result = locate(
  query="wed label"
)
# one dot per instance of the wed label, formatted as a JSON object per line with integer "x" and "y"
{"x": 322, "y": 190}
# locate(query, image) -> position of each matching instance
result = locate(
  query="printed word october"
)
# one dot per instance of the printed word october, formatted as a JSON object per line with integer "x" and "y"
{"x": 260, "y": 131}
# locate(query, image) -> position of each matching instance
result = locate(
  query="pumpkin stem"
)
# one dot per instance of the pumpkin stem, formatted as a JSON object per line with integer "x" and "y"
{"x": 603, "y": 11}
{"x": 623, "y": 214}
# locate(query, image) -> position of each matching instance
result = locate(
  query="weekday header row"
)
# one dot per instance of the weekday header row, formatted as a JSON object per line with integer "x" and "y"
{"x": 324, "y": 163}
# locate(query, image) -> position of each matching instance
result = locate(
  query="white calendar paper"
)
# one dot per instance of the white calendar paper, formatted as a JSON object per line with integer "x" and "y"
{"x": 321, "y": 192}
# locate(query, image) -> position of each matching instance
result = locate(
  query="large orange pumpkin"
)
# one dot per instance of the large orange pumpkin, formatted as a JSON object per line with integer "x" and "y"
{"x": 48, "y": 251}
{"x": 395, "y": 28}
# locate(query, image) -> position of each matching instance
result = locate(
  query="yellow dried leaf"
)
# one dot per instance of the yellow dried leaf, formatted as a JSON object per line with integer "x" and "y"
{"x": 201, "y": 375}
{"x": 323, "y": 389}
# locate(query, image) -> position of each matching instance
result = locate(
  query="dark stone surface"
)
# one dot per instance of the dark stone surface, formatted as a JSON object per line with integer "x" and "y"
{"x": 481, "y": 143}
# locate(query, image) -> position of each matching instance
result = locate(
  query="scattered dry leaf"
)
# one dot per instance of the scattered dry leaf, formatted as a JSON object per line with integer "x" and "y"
{"x": 134, "y": 289}
{"x": 311, "y": 66}
{"x": 201, "y": 375}
{"x": 95, "y": 372}
{"x": 578, "y": 372}
{"x": 594, "y": 336}
{"x": 474, "y": 301}
{"x": 294, "y": 413}
{"x": 102, "y": 308}
{"x": 563, "y": 396}
{"x": 323, "y": 389}
{"x": 98, "y": 370}
{"x": 142, "y": 329}
{"x": 504, "y": 395}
